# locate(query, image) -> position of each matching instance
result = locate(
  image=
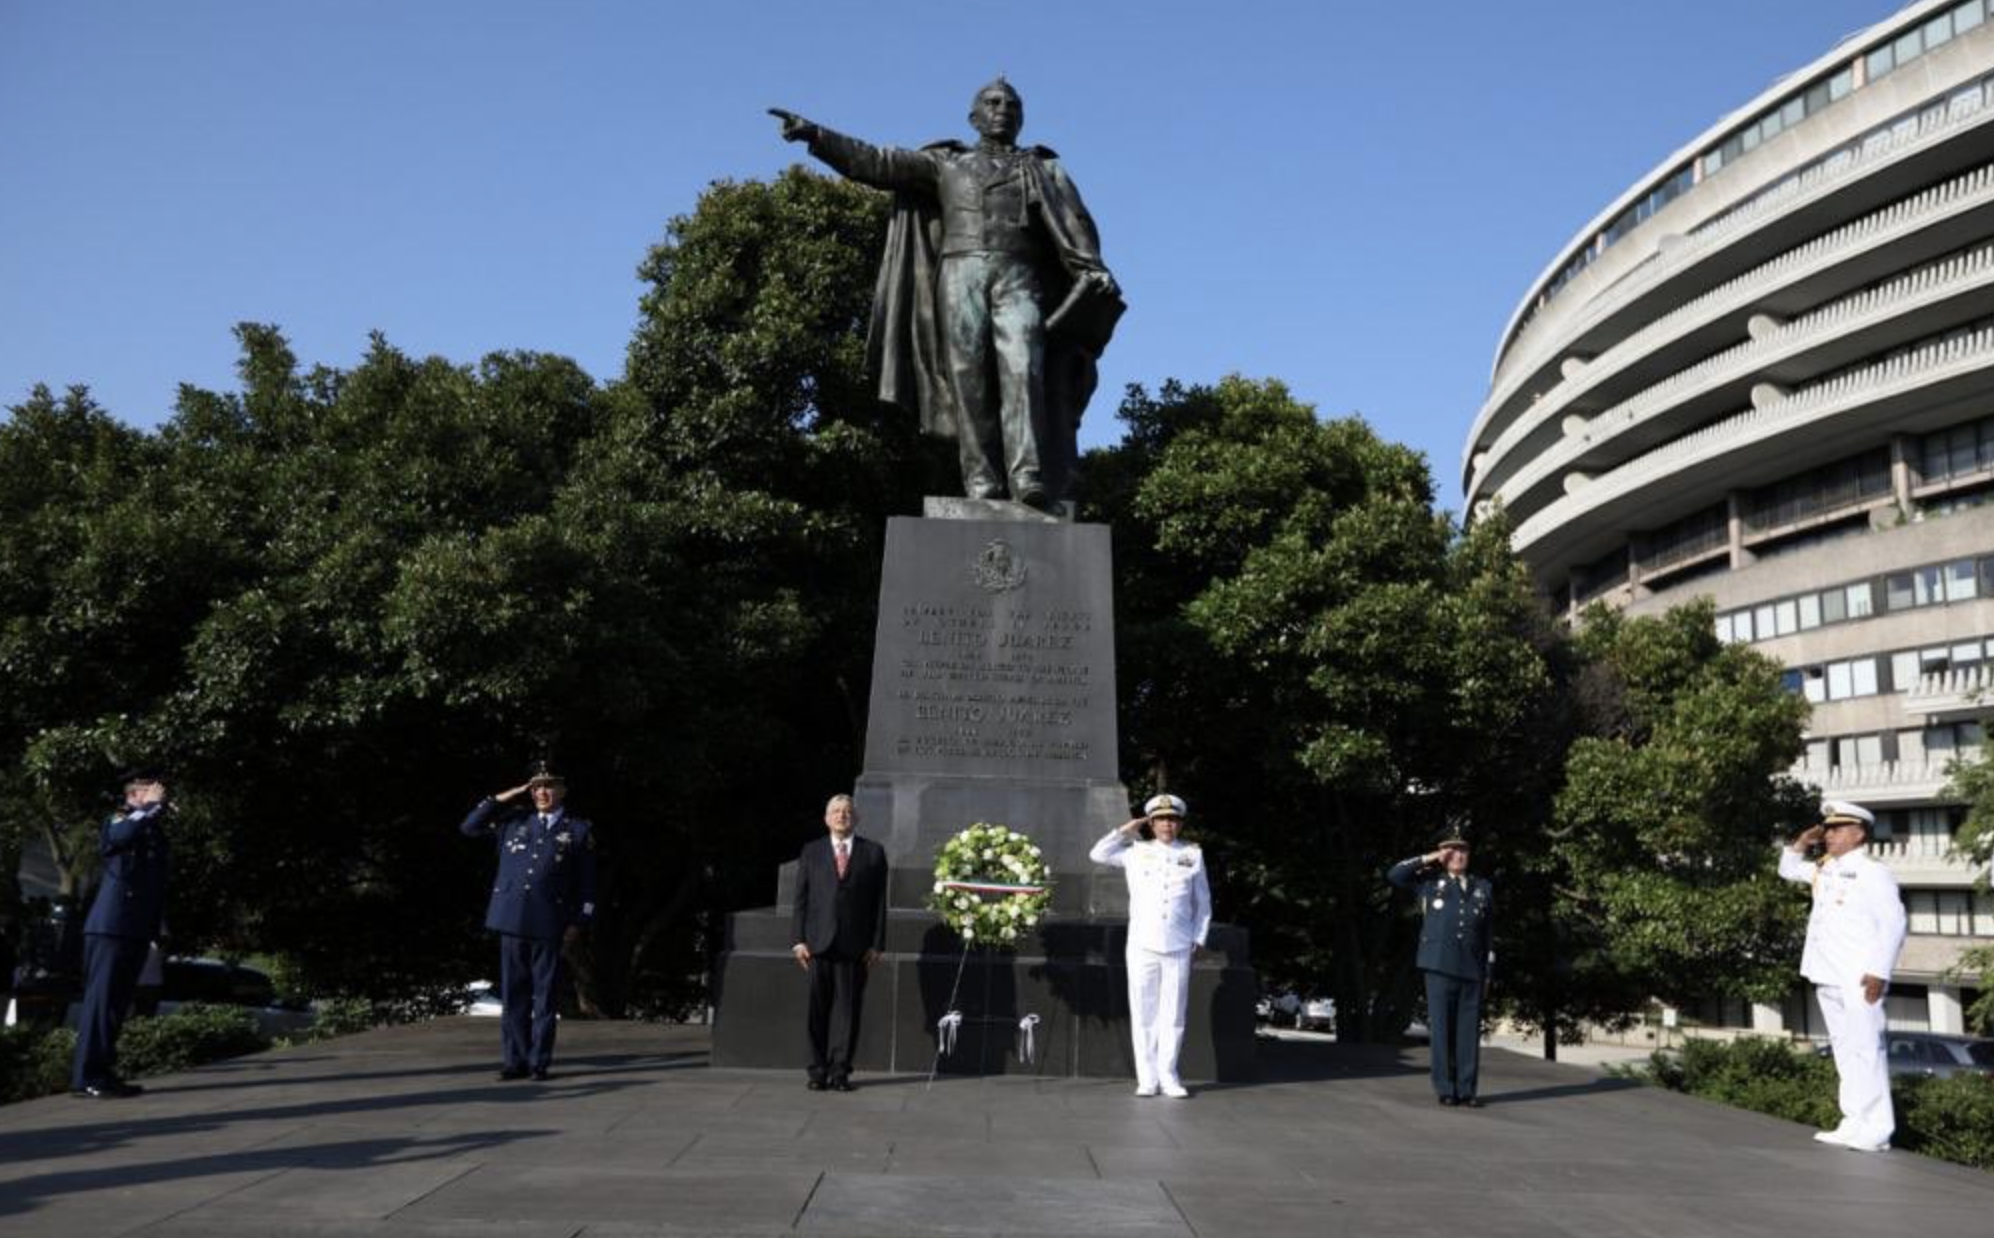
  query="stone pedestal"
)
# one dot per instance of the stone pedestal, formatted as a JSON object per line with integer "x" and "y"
{"x": 993, "y": 699}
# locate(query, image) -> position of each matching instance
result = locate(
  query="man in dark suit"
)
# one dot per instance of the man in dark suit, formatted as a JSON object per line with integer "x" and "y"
{"x": 840, "y": 930}
{"x": 119, "y": 931}
{"x": 1456, "y": 912}
{"x": 542, "y": 899}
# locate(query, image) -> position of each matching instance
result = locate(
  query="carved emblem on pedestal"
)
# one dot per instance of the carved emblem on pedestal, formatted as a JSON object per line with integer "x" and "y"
{"x": 997, "y": 569}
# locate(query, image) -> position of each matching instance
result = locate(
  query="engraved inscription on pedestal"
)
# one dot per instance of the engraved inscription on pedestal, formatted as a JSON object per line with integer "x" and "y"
{"x": 995, "y": 654}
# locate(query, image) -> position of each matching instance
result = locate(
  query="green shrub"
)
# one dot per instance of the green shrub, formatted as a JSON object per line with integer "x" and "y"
{"x": 1952, "y": 1119}
{"x": 341, "y": 1016}
{"x": 190, "y": 1036}
{"x": 34, "y": 1061}
{"x": 1763, "y": 1075}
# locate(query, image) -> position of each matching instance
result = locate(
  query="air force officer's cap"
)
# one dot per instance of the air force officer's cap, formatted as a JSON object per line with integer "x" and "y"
{"x": 1841, "y": 812}
{"x": 1164, "y": 806}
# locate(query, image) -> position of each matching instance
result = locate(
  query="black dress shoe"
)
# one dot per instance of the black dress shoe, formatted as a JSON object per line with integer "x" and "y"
{"x": 109, "y": 1090}
{"x": 511, "y": 1073}
{"x": 841, "y": 1085}
{"x": 1472, "y": 1102}
{"x": 541, "y": 1074}
{"x": 1449, "y": 1101}
{"x": 815, "y": 1085}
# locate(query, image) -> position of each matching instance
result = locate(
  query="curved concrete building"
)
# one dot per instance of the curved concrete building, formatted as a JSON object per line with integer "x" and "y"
{"x": 1765, "y": 374}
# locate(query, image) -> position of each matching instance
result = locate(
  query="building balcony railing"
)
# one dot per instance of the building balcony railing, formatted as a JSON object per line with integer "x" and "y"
{"x": 1684, "y": 251}
{"x": 1935, "y": 362}
{"x": 1951, "y": 695}
{"x": 1742, "y": 362}
{"x": 1883, "y": 784}
{"x": 1924, "y": 861}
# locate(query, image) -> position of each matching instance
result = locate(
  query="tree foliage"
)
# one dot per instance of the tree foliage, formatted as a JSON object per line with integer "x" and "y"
{"x": 339, "y": 605}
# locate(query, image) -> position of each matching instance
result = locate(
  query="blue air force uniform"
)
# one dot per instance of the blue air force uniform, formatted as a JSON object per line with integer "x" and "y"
{"x": 545, "y": 885}
{"x": 1456, "y": 914}
{"x": 122, "y": 924}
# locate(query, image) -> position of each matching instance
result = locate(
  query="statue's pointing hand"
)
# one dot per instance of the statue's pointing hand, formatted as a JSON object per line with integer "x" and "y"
{"x": 794, "y": 127}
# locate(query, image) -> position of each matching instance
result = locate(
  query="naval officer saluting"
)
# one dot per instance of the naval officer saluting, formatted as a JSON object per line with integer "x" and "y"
{"x": 543, "y": 897}
{"x": 1853, "y": 936}
{"x": 1456, "y": 913}
{"x": 1170, "y": 911}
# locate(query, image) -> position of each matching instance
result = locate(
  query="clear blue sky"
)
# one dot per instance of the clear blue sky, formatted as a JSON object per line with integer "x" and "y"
{"x": 1349, "y": 197}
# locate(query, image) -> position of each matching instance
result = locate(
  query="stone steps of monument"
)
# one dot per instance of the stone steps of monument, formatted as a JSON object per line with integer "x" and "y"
{"x": 771, "y": 930}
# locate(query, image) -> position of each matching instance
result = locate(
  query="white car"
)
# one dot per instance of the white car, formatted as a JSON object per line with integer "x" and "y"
{"x": 481, "y": 1000}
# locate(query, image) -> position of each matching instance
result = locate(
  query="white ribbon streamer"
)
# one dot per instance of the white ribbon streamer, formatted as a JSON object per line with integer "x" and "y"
{"x": 946, "y": 1028}
{"x": 1027, "y": 1042}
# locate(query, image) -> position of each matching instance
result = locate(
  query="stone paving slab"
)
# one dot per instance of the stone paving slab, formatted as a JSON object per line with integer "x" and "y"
{"x": 404, "y": 1133}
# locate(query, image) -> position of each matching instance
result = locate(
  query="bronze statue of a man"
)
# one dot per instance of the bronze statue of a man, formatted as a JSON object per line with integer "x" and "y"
{"x": 993, "y": 304}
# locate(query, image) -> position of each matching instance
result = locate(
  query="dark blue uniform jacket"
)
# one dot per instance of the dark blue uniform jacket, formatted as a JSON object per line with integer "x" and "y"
{"x": 132, "y": 898}
{"x": 1455, "y": 922}
{"x": 546, "y": 874}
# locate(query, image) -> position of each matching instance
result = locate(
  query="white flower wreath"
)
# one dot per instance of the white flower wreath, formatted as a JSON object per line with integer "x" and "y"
{"x": 991, "y": 884}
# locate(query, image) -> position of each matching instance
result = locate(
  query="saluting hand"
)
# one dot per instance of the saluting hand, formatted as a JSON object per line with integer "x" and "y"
{"x": 515, "y": 793}
{"x": 1133, "y": 827}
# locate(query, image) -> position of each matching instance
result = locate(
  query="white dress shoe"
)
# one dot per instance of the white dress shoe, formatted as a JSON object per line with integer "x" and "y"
{"x": 1145, "y": 1089}
{"x": 1175, "y": 1091}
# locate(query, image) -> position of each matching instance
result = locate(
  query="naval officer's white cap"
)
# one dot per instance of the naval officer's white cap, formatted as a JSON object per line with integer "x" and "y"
{"x": 1842, "y": 812}
{"x": 1164, "y": 806}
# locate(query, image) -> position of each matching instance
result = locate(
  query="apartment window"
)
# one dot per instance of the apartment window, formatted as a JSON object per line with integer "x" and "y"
{"x": 1897, "y": 591}
{"x": 1983, "y": 914}
{"x": 1945, "y": 913}
{"x": 1957, "y": 581}
{"x": 1868, "y": 750}
{"x": 1961, "y": 582}
{"x": 1938, "y": 31}
{"x": 1878, "y": 63}
{"x": 1860, "y": 598}
{"x": 1840, "y": 680}
{"x": 1967, "y": 16}
{"x": 1904, "y": 669}
{"x": 1786, "y": 617}
{"x": 1810, "y": 611}
{"x": 1818, "y": 757}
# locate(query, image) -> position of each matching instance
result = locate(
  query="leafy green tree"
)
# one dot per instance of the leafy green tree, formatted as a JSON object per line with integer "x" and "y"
{"x": 1662, "y": 846}
{"x": 96, "y": 595}
{"x": 1973, "y": 782}
{"x": 1323, "y": 664}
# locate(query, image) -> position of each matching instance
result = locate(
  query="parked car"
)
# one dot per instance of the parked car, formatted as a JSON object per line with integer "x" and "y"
{"x": 482, "y": 1000}
{"x": 1933, "y": 1053}
{"x": 1318, "y": 1014}
{"x": 216, "y": 982}
{"x": 1277, "y": 1009}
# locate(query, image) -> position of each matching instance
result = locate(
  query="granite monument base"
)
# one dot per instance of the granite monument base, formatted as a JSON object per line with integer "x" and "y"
{"x": 992, "y": 700}
{"x": 1072, "y": 978}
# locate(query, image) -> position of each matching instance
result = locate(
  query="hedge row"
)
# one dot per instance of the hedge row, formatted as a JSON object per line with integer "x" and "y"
{"x": 36, "y": 1061}
{"x": 1950, "y": 1118}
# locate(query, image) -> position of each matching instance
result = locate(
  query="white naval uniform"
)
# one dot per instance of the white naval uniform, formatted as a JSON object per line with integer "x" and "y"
{"x": 1170, "y": 910}
{"x": 1855, "y": 930}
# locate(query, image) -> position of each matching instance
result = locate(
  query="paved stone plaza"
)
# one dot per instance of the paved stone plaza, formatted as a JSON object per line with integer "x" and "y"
{"x": 404, "y": 1131}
